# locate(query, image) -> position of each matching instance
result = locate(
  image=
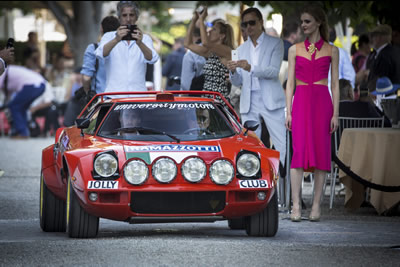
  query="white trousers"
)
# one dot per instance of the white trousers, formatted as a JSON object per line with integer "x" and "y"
{"x": 274, "y": 120}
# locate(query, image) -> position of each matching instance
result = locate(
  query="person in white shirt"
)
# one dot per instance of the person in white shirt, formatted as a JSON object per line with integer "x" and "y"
{"x": 346, "y": 69}
{"x": 125, "y": 60}
{"x": 192, "y": 67}
{"x": 21, "y": 86}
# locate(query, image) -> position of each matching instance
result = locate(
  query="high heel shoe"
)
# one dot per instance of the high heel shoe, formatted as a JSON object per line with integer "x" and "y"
{"x": 314, "y": 218}
{"x": 295, "y": 217}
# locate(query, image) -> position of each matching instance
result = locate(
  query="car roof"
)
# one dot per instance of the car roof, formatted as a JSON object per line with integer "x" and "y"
{"x": 160, "y": 95}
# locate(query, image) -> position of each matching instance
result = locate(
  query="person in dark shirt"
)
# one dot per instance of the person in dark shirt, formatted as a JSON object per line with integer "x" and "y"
{"x": 173, "y": 65}
{"x": 290, "y": 35}
{"x": 385, "y": 62}
{"x": 355, "y": 109}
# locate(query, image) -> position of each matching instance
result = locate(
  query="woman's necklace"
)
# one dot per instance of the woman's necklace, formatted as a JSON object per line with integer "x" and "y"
{"x": 312, "y": 48}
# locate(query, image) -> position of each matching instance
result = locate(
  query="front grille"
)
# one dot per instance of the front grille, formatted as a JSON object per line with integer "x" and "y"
{"x": 177, "y": 202}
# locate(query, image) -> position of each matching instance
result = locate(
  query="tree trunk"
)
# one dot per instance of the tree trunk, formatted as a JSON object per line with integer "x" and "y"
{"x": 82, "y": 28}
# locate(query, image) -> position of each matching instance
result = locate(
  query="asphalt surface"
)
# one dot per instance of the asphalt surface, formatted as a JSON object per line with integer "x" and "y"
{"x": 359, "y": 238}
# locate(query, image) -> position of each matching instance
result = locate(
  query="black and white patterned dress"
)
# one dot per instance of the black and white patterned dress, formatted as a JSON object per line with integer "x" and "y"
{"x": 215, "y": 78}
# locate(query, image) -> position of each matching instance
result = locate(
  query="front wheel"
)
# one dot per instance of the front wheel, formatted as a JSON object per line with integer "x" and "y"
{"x": 266, "y": 222}
{"x": 51, "y": 210}
{"x": 80, "y": 224}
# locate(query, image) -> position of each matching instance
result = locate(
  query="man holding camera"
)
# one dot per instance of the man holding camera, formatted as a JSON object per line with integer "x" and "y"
{"x": 126, "y": 52}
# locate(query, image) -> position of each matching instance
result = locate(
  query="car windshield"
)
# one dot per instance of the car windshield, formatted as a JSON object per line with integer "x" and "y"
{"x": 167, "y": 121}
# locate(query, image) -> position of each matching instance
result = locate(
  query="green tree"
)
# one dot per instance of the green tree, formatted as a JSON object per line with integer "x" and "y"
{"x": 368, "y": 13}
{"x": 81, "y": 19}
{"x": 82, "y": 27}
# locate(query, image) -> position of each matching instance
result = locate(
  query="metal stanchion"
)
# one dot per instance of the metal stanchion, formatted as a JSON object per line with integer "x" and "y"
{"x": 284, "y": 182}
{"x": 281, "y": 192}
{"x": 287, "y": 178}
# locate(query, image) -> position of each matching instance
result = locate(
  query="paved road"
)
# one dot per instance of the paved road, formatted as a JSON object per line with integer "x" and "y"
{"x": 360, "y": 238}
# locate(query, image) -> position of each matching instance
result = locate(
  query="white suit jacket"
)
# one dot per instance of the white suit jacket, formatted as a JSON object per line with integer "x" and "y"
{"x": 271, "y": 56}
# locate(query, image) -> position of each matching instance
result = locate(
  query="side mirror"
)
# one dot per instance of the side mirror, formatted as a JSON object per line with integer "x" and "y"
{"x": 82, "y": 123}
{"x": 250, "y": 125}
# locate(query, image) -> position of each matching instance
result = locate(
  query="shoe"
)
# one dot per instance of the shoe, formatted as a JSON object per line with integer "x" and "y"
{"x": 295, "y": 217}
{"x": 315, "y": 218}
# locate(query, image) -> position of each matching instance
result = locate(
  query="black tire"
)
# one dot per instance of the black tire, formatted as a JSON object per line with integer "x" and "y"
{"x": 51, "y": 210}
{"x": 236, "y": 224}
{"x": 80, "y": 224}
{"x": 266, "y": 222}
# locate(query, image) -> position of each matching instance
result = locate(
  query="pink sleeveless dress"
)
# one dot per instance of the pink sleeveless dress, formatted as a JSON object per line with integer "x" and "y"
{"x": 312, "y": 109}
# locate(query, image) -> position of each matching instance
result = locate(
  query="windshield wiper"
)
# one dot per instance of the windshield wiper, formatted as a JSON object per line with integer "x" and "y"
{"x": 145, "y": 130}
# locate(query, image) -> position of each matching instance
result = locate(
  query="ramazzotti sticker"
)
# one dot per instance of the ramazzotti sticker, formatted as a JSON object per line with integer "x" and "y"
{"x": 172, "y": 148}
{"x": 166, "y": 106}
{"x": 102, "y": 185}
{"x": 253, "y": 184}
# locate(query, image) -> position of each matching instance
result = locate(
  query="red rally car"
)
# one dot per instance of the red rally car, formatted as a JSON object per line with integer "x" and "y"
{"x": 151, "y": 157}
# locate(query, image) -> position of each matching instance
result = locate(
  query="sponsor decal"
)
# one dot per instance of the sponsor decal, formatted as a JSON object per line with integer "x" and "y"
{"x": 166, "y": 106}
{"x": 102, "y": 185}
{"x": 253, "y": 184}
{"x": 172, "y": 148}
{"x": 64, "y": 143}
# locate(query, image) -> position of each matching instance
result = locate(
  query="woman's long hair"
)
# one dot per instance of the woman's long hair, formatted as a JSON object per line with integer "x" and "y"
{"x": 225, "y": 28}
{"x": 320, "y": 16}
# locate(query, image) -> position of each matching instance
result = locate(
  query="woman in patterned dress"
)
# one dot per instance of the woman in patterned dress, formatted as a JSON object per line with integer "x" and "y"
{"x": 313, "y": 115}
{"x": 216, "y": 47}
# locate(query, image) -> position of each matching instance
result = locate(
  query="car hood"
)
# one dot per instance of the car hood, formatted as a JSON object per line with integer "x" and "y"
{"x": 208, "y": 150}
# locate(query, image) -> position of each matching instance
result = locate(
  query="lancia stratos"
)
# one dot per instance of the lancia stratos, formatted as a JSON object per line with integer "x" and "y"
{"x": 158, "y": 157}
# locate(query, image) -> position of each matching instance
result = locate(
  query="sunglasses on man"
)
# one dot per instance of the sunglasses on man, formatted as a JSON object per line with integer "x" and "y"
{"x": 245, "y": 23}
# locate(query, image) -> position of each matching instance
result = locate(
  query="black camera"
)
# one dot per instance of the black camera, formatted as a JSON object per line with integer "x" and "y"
{"x": 10, "y": 43}
{"x": 132, "y": 29}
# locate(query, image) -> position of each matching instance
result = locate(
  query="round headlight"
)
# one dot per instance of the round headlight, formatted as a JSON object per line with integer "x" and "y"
{"x": 105, "y": 165}
{"x": 248, "y": 165}
{"x": 136, "y": 172}
{"x": 194, "y": 170}
{"x": 221, "y": 172}
{"x": 164, "y": 170}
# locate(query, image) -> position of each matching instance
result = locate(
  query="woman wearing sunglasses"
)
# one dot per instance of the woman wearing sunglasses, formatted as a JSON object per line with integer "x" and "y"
{"x": 216, "y": 47}
{"x": 312, "y": 115}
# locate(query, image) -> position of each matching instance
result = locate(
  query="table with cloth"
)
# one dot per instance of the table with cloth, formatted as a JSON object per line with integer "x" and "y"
{"x": 374, "y": 155}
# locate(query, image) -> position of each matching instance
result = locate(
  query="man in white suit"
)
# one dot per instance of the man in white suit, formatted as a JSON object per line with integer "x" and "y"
{"x": 257, "y": 70}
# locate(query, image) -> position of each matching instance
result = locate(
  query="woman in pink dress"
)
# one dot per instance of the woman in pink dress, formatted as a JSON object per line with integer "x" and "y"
{"x": 313, "y": 115}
